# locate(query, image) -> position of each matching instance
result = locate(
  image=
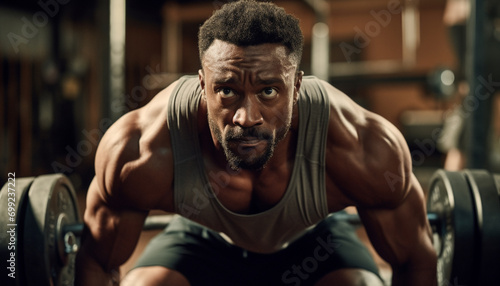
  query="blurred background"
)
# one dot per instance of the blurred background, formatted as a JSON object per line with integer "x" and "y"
{"x": 70, "y": 68}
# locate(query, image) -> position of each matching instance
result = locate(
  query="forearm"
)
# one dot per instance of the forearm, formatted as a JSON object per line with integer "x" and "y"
{"x": 90, "y": 273}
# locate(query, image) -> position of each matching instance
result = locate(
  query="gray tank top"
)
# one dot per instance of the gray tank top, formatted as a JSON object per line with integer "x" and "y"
{"x": 304, "y": 202}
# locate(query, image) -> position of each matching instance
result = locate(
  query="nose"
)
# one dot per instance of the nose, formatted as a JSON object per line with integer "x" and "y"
{"x": 248, "y": 113}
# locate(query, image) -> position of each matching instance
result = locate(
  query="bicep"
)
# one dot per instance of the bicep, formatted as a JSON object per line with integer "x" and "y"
{"x": 401, "y": 235}
{"x": 111, "y": 232}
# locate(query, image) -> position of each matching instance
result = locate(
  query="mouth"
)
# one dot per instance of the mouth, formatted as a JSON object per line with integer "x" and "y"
{"x": 245, "y": 144}
{"x": 249, "y": 141}
{"x": 248, "y": 151}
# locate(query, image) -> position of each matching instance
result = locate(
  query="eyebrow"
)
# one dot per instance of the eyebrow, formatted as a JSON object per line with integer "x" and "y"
{"x": 226, "y": 80}
{"x": 268, "y": 81}
{"x": 259, "y": 81}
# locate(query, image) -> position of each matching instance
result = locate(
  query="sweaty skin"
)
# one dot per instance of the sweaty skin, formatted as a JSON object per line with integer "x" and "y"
{"x": 248, "y": 117}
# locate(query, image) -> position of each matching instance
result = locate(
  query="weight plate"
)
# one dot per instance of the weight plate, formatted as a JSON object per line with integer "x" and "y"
{"x": 496, "y": 177}
{"x": 12, "y": 195}
{"x": 52, "y": 204}
{"x": 454, "y": 235}
{"x": 485, "y": 192}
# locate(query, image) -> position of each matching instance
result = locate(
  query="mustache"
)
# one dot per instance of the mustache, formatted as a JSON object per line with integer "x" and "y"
{"x": 239, "y": 133}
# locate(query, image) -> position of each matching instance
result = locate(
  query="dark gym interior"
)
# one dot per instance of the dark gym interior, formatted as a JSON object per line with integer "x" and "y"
{"x": 69, "y": 69}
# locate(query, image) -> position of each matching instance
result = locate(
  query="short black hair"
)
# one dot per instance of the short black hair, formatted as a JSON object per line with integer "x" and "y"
{"x": 248, "y": 23}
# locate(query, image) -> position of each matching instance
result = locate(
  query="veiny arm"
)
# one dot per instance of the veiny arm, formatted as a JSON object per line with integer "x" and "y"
{"x": 134, "y": 174}
{"x": 402, "y": 236}
{"x": 109, "y": 238}
{"x": 396, "y": 221}
{"x": 369, "y": 166}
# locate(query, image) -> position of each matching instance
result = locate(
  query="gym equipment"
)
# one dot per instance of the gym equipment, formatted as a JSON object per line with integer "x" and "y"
{"x": 450, "y": 198}
{"x": 467, "y": 235}
{"x": 43, "y": 250}
{"x": 39, "y": 236}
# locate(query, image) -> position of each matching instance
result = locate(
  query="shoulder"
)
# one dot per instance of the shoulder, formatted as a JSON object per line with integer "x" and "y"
{"x": 367, "y": 156}
{"x": 134, "y": 163}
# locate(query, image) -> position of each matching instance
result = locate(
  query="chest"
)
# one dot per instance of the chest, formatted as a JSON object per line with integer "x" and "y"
{"x": 245, "y": 193}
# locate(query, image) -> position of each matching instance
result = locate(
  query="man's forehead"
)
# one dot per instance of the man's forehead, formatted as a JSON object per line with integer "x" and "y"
{"x": 221, "y": 51}
{"x": 227, "y": 76}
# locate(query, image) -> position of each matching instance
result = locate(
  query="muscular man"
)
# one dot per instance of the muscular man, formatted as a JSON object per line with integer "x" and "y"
{"x": 253, "y": 157}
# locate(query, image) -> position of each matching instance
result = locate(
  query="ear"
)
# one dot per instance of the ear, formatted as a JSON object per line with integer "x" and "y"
{"x": 202, "y": 84}
{"x": 298, "y": 83}
{"x": 201, "y": 78}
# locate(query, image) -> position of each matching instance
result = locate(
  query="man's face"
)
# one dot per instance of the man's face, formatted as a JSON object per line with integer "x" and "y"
{"x": 249, "y": 93}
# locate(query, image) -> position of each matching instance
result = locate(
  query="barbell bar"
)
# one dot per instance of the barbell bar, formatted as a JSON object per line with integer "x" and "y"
{"x": 155, "y": 222}
{"x": 40, "y": 232}
{"x": 151, "y": 223}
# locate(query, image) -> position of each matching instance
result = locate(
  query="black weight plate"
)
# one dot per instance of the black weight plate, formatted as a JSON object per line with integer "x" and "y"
{"x": 496, "y": 177}
{"x": 454, "y": 236}
{"x": 487, "y": 201}
{"x": 52, "y": 203}
{"x": 14, "y": 191}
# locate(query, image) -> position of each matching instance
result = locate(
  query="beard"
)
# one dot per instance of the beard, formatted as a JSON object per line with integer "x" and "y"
{"x": 247, "y": 158}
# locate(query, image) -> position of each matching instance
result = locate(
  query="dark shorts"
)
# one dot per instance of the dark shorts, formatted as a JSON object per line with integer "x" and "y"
{"x": 205, "y": 258}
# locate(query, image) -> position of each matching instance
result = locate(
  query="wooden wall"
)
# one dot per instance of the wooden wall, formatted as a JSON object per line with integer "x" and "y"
{"x": 55, "y": 126}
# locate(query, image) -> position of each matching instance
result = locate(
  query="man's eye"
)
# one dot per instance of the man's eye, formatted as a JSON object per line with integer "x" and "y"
{"x": 269, "y": 92}
{"x": 226, "y": 92}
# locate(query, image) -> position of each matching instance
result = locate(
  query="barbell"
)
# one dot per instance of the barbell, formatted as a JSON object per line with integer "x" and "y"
{"x": 40, "y": 228}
